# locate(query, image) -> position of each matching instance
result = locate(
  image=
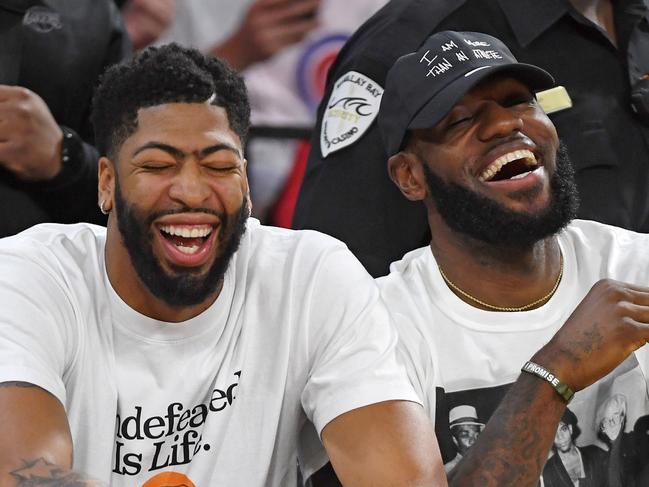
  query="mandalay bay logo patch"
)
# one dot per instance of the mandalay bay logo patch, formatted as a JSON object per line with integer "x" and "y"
{"x": 351, "y": 109}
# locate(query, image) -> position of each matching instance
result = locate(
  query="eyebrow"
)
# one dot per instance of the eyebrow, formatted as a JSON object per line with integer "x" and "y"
{"x": 178, "y": 154}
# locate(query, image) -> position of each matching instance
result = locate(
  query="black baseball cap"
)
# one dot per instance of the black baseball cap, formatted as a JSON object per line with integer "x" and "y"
{"x": 423, "y": 86}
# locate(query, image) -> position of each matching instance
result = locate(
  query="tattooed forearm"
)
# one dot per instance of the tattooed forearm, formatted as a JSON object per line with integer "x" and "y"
{"x": 514, "y": 446}
{"x": 40, "y": 472}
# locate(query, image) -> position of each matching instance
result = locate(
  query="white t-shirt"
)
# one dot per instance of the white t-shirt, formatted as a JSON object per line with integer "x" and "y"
{"x": 298, "y": 332}
{"x": 460, "y": 355}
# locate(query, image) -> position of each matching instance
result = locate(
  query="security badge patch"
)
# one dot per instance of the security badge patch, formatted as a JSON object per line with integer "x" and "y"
{"x": 351, "y": 109}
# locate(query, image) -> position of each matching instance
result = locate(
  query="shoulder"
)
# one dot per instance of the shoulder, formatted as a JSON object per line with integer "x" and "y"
{"x": 408, "y": 272}
{"x": 283, "y": 240}
{"x": 56, "y": 246}
{"x": 406, "y": 294}
{"x": 593, "y": 451}
{"x": 592, "y": 235}
{"x": 296, "y": 254}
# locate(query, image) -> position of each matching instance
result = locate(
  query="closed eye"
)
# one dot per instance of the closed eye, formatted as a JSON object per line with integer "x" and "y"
{"x": 156, "y": 166}
{"x": 522, "y": 99}
{"x": 460, "y": 121}
{"x": 220, "y": 167}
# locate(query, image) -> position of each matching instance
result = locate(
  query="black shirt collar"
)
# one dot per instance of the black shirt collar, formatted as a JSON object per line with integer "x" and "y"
{"x": 546, "y": 12}
{"x": 530, "y": 18}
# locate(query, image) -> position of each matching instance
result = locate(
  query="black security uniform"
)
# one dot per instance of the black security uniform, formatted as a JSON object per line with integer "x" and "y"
{"x": 58, "y": 49}
{"x": 349, "y": 194}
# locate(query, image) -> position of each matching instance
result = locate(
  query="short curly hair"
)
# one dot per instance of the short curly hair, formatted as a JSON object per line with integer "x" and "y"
{"x": 159, "y": 75}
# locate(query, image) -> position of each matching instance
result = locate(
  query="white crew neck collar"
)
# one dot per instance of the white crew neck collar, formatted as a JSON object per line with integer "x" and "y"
{"x": 150, "y": 329}
{"x": 474, "y": 318}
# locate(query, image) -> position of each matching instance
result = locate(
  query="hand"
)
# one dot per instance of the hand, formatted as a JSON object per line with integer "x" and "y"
{"x": 610, "y": 323}
{"x": 146, "y": 20}
{"x": 268, "y": 27}
{"x": 30, "y": 138}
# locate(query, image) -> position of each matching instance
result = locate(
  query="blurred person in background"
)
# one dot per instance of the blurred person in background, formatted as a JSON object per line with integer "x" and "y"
{"x": 51, "y": 55}
{"x": 284, "y": 49}
{"x": 146, "y": 20}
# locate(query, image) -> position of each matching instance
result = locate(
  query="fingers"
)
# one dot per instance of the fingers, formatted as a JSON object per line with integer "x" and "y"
{"x": 620, "y": 291}
{"x": 162, "y": 11}
{"x": 296, "y": 10}
{"x": 8, "y": 92}
{"x": 295, "y": 32}
{"x": 283, "y": 12}
{"x": 280, "y": 4}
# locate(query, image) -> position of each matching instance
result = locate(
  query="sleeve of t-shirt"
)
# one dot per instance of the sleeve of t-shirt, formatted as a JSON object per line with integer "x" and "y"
{"x": 417, "y": 358}
{"x": 352, "y": 342}
{"x": 34, "y": 315}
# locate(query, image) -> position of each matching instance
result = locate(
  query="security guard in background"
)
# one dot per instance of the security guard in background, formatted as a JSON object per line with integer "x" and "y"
{"x": 598, "y": 51}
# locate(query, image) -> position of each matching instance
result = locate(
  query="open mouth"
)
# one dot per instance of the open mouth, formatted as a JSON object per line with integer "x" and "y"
{"x": 513, "y": 165}
{"x": 187, "y": 239}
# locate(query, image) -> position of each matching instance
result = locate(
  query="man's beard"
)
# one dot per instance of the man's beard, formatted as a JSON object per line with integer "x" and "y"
{"x": 185, "y": 287}
{"x": 488, "y": 221}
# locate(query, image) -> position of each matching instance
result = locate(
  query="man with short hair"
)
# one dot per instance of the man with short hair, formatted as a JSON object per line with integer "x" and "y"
{"x": 506, "y": 266}
{"x": 597, "y": 50}
{"x": 570, "y": 465}
{"x": 465, "y": 428}
{"x": 186, "y": 344}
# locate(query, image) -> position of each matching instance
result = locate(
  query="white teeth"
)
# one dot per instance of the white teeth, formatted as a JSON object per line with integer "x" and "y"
{"x": 187, "y": 250}
{"x": 521, "y": 175}
{"x": 187, "y": 231}
{"x": 498, "y": 164}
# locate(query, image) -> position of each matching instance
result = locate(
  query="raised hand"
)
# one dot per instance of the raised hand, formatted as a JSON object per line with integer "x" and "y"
{"x": 268, "y": 27}
{"x": 30, "y": 138}
{"x": 611, "y": 322}
{"x": 146, "y": 20}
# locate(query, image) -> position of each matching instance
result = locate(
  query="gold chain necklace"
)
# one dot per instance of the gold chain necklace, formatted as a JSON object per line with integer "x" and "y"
{"x": 502, "y": 308}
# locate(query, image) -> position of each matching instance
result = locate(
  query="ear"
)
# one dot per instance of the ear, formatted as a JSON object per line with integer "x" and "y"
{"x": 247, "y": 186}
{"x": 406, "y": 172}
{"x": 106, "y": 187}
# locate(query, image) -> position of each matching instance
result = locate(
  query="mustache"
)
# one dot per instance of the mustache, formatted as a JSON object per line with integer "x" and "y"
{"x": 174, "y": 211}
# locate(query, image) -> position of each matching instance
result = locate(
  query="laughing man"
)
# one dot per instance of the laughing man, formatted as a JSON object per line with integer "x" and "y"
{"x": 506, "y": 266}
{"x": 186, "y": 344}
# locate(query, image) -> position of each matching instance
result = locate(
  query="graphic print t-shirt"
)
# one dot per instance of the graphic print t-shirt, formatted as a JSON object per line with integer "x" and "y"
{"x": 462, "y": 360}
{"x": 298, "y": 333}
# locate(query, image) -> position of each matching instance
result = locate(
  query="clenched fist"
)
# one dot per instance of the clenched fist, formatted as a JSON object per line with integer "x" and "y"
{"x": 611, "y": 322}
{"x": 30, "y": 138}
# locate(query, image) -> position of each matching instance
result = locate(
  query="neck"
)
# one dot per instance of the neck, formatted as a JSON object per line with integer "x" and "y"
{"x": 500, "y": 276}
{"x": 600, "y": 12}
{"x": 570, "y": 452}
{"x": 131, "y": 289}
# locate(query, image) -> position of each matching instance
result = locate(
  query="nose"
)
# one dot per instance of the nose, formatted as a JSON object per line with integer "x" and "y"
{"x": 498, "y": 121}
{"x": 189, "y": 186}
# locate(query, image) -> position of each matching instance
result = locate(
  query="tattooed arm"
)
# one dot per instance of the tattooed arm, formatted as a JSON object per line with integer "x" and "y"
{"x": 35, "y": 443}
{"x": 609, "y": 324}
